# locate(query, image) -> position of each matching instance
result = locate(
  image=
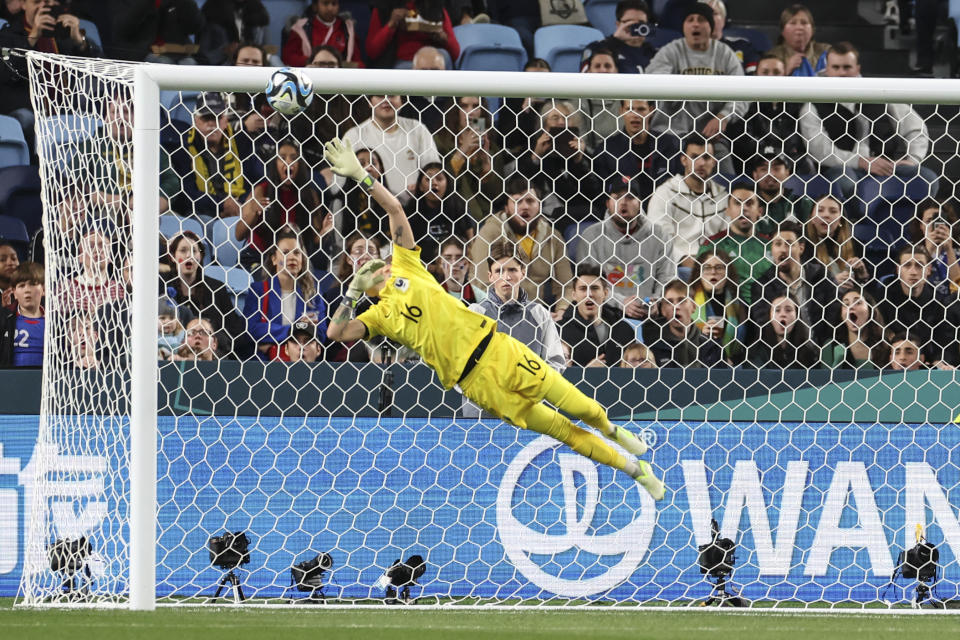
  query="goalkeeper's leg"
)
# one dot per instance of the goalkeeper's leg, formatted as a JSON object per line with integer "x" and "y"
{"x": 563, "y": 395}
{"x": 543, "y": 419}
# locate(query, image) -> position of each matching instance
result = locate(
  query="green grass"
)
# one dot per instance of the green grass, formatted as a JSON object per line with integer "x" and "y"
{"x": 410, "y": 623}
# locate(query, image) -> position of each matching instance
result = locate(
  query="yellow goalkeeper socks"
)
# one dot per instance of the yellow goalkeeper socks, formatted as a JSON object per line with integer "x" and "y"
{"x": 545, "y": 420}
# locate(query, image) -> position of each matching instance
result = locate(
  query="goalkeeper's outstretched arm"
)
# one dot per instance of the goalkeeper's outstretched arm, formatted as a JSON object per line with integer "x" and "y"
{"x": 343, "y": 161}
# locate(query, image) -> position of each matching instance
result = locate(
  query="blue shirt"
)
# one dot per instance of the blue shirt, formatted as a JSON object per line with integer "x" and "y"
{"x": 28, "y": 342}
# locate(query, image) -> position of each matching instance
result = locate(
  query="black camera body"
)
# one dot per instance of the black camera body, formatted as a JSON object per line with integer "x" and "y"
{"x": 230, "y": 550}
{"x": 403, "y": 575}
{"x": 308, "y": 575}
{"x": 60, "y": 31}
{"x": 641, "y": 29}
{"x": 68, "y": 556}
{"x": 717, "y": 557}
{"x": 919, "y": 562}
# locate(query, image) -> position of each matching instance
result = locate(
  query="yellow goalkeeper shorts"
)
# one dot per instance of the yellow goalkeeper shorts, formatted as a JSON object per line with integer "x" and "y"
{"x": 509, "y": 379}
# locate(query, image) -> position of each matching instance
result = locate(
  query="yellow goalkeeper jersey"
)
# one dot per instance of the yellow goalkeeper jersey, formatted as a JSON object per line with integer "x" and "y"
{"x": 417, "y": 312}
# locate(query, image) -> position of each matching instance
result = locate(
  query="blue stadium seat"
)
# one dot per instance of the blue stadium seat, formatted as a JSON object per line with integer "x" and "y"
{"x": 179, "y": 104}
{"x": 13, "y": 231}
{"x": 280, "y": 12}
{"x": 602, "y": 15}
{"x": 68, "y": 132}
{"x": 20, "y": 196}
{"x": 3, "y": 23}
{"x": 237, "y": 279}
{"x": 13, "y": 146}
{"x": 171, "y": 224}
{"x": 226, "y": 247}
{"x": 757, "y": 38}
{"x": 92, "y": 33}
{"x": 953, "y": 12}
{"x": 489, "y": 47}
{"x": 561, "y": 45}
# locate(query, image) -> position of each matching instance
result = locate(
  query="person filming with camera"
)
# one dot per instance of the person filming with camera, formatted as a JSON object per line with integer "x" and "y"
{"x": 629, "y": 41}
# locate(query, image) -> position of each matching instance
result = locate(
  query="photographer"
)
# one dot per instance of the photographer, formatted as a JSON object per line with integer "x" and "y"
{"x": 43, "y": 25}
{"x": 629, "y": 42}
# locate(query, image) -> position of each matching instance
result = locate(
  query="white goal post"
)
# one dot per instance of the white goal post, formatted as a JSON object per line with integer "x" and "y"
{"x": 147, "y": 83}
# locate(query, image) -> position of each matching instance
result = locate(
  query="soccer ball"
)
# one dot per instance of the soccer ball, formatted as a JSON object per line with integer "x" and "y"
{"x": 289, "y": 91}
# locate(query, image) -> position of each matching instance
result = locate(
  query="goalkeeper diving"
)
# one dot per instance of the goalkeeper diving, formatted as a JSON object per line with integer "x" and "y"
{"x": 497, "y": 372}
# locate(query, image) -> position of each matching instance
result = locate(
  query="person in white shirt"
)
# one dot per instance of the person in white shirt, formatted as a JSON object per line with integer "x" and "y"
{"x": 690, "y": 207}
{"x": 403, "y": 144}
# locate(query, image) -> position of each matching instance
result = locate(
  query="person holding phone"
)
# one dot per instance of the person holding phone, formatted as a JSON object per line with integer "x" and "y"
{"x": 628, "y": 42}
{"x": 935, "y": 227}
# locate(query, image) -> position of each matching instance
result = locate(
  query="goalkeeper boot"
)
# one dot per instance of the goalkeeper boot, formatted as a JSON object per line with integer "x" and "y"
{"x": 629, "y": 441}
{"x": 649, "y": 481}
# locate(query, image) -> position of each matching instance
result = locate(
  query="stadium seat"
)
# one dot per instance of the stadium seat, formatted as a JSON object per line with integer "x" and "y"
{"x": 20, "y": 196}
{"x": 179, "y": 104}
{"x": 13, "y": 230}
{"x": 68, "y": 132}
{"x": 237, "y": 279}
{"x": 561, "y": 45}
{"x": 489, "y": 47}
{"x": 171, "y": 224}
{"x": 13, "y": 146}
{"x": 280, "y": 13}
{"x": 226, "y": 247}
{"x": 602, "y": 15}
{"x": 92, "y": 33}
{"x": 953, "y": 12}
{"x": 759, "y": 40}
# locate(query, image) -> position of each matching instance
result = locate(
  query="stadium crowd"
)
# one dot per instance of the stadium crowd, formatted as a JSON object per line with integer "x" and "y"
{"x": 630, "y": 233}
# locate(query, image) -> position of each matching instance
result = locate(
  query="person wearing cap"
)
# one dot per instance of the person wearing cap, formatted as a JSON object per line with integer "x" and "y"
{"x": 634, "y": 254}
{"x": 632, "y": 52}
{"x": 636, "y": 151}
{"x": 771, "y": 168}
{"x": 302, "y": 345}
{"x": 209, "y": 161}
{"x": 739, "y": 240}
{"x": 697, "y": 53}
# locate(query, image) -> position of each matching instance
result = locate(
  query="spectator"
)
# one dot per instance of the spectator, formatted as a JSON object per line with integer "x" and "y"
{"x": 638, "y": 356}
{"x": 95, "y": 285}
{"x": 22, "y": 326}
{"x": 596, "y": 332}
{"x": 516, "y": 315}
{"x": 228, "y": 23}
{"x": 519, "y": 119}
{"x": 398, "y": 28}
{"x": 602, "y": 114}
{"x": 740, "y": 239}
{"x": 771, "y": 170}
{"x": 36, "y": 29}
{"x": 558, "y": 165}
{"x": 935, "y": 228}
{"x": 743, "y": 48}
{"x": 673, "y": 337}
{"x": 635, "y": 151}
{"x": 202, "y": 297}
{"x": 830, "y": 241}
{"x": 359, "y": 249}
{"x": 522, "y": 16}
{"x": 360, "y": 212}
{"x": 271, "y": 307}
{"x": 249, "y": 107}
{"x": 156, "y": 30}
{"x": 852, "y": 142}
{"x": 784, "y": 339}
{"x": 431, "y": 111}
{"x": 911, "y": 305}
{"x": 10, "y": 8}
{"x": 322, "y": 25}
{"x": 436, "y": 214}
{"x": 248, "y": 54}
{"x": 719, "y": 311}
{"x": 522, "y": 222}
{"x": 690, "y": 207}
{"x": 302, "y": 345}
{"x": 209, "y": 160}
{"x": 906, "y": 353}
{"x": 858, "y": 341}
{"x": 287, "y": 197}
{"x": 454, "y": 273}
{"x": 404, "y": 144}
{"x": 635, "y": 255}
{"x": 171, "y": 333}
{"x": 697, "y": 53}
{"x": 473, "y": 156}
{"x": 83, "y": 349}
{"x": 769, "y": 124}
{"x": 9, "y": 262}
{"x": 200, "y": 343}
{"x": 801, "y": 54}
{"x": 631, "y": 51}
{"x": 805, "y": 281}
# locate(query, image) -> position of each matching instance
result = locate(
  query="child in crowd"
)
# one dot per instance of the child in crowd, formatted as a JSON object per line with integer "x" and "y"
{"x": 21, "y": 329}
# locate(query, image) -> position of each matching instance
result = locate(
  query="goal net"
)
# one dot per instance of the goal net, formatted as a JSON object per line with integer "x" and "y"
{"x": 774, "y": 308}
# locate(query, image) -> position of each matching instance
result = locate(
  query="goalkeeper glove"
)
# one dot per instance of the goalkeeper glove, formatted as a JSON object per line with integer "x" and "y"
{"x": 343, "y": 161}
{"x": 365, "y": 279}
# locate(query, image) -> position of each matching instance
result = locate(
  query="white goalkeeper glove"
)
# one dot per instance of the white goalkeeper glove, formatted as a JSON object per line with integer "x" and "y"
{"x": 343, "y": 161}
{"x": 365, "y": 279}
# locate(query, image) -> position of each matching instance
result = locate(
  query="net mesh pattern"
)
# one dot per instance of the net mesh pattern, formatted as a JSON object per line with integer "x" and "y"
{"x": 744, "y": 302}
